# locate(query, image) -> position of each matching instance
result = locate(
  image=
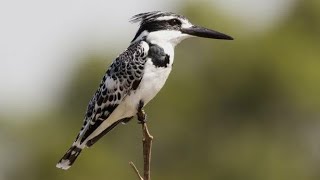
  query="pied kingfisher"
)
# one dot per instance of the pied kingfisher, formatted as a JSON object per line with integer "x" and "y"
{"x": 135, "y": 76}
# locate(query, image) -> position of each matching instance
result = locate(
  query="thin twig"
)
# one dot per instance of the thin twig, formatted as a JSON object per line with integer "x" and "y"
{"x": 136, "y": 170}
{"x": 147, "y": 145}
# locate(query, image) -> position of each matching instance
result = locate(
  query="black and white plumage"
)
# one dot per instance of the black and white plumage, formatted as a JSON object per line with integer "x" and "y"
{"x": 135, "y": 76}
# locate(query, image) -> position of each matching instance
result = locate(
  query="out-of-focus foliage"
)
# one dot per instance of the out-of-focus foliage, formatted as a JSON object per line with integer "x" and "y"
{"x": 242, "y": 109}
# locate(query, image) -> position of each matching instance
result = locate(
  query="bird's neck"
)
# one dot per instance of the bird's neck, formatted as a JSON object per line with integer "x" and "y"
{"x": 167, "y": 47}
{"x": 165, "y": 37}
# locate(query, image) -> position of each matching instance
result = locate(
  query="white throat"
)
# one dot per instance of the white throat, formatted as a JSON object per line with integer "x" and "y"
{"x": 166, "y": 36}
{"x": 166, "y": 39}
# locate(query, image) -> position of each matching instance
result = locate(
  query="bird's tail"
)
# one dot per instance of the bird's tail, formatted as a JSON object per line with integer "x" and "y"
{"x": 68, "y": 159}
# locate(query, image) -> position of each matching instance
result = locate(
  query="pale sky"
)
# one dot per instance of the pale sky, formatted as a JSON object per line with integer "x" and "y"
{"x": 41, "y": 40}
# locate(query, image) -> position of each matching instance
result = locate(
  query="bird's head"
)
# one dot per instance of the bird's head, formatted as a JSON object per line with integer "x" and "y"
{"x": 171, "y": 28}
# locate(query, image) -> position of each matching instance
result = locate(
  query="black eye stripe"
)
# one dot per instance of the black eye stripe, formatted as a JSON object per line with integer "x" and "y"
{"x": 171, "y": 24}
{"x": 164, "y": 24}
{"x": 174, "y": 22}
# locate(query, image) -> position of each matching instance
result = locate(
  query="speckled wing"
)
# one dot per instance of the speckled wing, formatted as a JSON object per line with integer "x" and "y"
{"x": 122, "y": 77}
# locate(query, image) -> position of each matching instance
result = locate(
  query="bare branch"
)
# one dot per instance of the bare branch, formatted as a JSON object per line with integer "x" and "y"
{"x": 147, "y": 145}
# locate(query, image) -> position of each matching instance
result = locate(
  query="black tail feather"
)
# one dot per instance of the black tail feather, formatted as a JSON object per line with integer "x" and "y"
{"x": 68, "y": 159}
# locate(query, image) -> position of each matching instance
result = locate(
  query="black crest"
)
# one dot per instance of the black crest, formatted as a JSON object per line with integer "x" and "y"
{"x": 147, "y": 17}
{"x": 148, "y": 21}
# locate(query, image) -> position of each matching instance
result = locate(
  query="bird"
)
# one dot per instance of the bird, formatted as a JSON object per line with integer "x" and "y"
{"x": 135, "y": 76}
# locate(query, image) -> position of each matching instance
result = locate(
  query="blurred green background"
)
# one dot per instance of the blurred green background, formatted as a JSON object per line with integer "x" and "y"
{"x": 244, "y": 109}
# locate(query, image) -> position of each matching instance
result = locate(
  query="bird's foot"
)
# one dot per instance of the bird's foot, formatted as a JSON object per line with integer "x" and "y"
{"x": 141, "y": 115}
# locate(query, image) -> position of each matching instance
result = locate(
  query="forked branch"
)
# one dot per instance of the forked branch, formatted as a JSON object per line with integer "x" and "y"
{"x": 147, "y": 146}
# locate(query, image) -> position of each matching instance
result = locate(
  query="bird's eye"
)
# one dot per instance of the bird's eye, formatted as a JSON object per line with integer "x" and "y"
{"x": 174, "y": 22}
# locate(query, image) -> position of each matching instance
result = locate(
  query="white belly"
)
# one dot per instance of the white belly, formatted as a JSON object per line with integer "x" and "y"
{"x": 153, "y": 80}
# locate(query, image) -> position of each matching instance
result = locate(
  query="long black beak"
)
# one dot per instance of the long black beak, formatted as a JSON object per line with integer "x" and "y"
{"x": 204, "y": 32}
